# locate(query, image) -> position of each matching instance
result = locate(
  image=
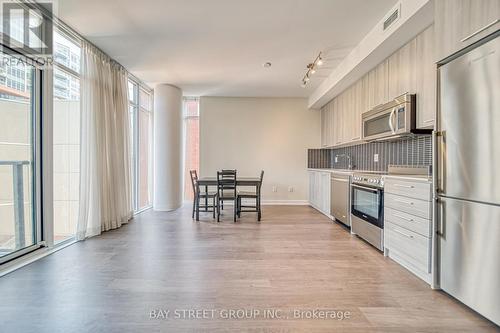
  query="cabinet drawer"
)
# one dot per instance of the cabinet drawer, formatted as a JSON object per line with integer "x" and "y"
{"x": 416, "y": 224}
{"x": 409, "y": 246}
{"x": 408, "y": 188}
{"x": 411, "y": 206}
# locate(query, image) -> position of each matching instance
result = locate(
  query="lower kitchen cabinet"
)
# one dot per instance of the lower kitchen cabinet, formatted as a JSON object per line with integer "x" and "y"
{"x": 319, "y": 190}
{"x": 408, "y": 224}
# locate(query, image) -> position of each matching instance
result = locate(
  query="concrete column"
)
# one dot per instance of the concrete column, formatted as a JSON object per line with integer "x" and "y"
{"x": 168, "y": 182}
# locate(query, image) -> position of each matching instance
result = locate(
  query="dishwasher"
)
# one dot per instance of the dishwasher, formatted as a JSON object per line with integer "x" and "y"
{"x": 340, "y": 198}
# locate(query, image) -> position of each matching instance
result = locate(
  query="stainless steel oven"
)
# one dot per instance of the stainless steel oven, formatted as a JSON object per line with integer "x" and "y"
{"x": 391, "y": 120}
{"x": 367, "y": 208}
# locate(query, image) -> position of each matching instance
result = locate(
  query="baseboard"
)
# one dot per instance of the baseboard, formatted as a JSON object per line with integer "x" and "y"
{"x": 268, "y": 202}
{"x": 285, "y": 202}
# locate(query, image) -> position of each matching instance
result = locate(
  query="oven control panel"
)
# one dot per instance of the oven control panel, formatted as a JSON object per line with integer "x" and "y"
{"x": 368, "y": 180}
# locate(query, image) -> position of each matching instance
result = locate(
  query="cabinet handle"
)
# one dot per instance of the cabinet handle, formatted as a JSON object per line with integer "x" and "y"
{"x": 404, "y": 218}
{"x": 404, "y": 201}
{"x": 402, "y": 233}
{"x": 406, "y": 186}
{"x": 480, "y": 30}
{"x": 429, "y": 121}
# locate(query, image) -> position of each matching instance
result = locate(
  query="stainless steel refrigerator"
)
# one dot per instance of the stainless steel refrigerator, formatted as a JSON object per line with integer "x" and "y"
{"x": 468, "y": 178}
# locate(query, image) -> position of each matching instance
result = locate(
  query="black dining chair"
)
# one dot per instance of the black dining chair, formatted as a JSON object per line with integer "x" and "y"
{"x": 199, "y": 195}
{"x": 250, "y": 195}
{"x": 226, "y": 190}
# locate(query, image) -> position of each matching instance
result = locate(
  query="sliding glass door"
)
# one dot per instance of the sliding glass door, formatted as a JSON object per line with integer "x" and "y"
{"x": 19, "y": 156}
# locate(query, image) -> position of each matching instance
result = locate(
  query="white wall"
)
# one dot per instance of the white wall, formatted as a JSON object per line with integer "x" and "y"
{"x": 253, "y": 134}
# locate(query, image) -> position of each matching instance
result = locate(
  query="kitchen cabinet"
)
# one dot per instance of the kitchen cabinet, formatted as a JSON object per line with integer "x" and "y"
{"x": 346, "y": 116}
{"x": 327, "y": 125}
{"x": 350, "y": 114}
{"x": 426, "y": 79}
{"x": 378, "y": 84}
{"x": 333, "y": 124}
{"x": 325, "y": 185}
{"x": 411, "y": 69}
{"x": 319, "y": 190}
{"x": 357, "y": 101}
{"x": 323, "y": 126}
{"x": 460, "y": 23}
{"x": 337, "y": 119}
{"x": 408, "y": 224}
{"x": 403, "y": 70}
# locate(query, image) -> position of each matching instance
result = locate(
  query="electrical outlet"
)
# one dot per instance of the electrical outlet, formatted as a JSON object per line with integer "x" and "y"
{"x": 290, "y": 188}
{"x": 375, "y": 158}
{"x": 275, "y": 189}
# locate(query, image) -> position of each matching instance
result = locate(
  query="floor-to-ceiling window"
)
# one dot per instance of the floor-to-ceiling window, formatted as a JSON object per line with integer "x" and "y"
{"x": 191, "y": 142}
{"x": 19, "y": 155}
{"x": 66, "y": 138}
{"x": 144, "y": 150}
{"x": 141, "y": 125}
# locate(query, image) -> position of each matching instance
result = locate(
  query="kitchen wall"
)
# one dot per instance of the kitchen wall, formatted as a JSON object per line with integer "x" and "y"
{"x": 253, "y": 134}
{"x": 411, "y": 151}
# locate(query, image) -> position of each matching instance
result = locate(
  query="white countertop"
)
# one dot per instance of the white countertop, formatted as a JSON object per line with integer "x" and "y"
{"x": 350, "y": 172}
{"x": 411, "y": 177}
{"x": 346, "y": 171}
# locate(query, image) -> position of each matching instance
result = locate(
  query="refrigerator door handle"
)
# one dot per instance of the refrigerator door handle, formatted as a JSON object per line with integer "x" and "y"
{"x": 441, "y": 211}
{"x": 441, "y": 156}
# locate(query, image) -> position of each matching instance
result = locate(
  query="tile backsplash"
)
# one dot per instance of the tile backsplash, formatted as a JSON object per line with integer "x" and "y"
{"x": 410, "y": 151}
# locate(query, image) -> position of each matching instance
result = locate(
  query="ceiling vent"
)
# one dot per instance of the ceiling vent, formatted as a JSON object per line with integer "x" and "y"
{"x": 394, "y": 15}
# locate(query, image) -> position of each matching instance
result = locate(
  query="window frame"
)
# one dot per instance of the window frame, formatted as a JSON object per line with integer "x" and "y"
{"x": 71, "y": 74}
{"x": 135, "y": 104}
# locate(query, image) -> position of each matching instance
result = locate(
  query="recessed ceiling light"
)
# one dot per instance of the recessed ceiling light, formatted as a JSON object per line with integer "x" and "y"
{"x": 267, "y": 64}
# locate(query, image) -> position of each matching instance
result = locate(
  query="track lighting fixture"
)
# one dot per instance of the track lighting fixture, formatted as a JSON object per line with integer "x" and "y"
{"x": 311, "y": 69}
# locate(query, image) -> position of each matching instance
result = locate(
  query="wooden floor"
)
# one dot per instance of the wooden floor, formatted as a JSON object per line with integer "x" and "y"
{"x": 295, "y": 260}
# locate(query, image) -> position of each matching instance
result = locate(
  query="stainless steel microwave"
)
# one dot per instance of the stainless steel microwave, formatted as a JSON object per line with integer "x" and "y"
{"x": 391, "y": 120}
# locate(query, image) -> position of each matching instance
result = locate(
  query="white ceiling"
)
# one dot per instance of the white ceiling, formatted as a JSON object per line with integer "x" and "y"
{"x": 217, "y": 47}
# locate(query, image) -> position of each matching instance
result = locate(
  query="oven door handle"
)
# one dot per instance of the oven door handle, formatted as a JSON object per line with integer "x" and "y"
{"x": 371, "y": 189}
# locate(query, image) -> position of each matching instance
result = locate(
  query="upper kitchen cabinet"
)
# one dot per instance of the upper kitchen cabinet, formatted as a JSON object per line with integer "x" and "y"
{"x": 358, "y": 98}
{"x": 347, "y": 112}
{"x": 327, "y": 125}
{"x": 459, "y": 23}
{"x": 378, "y": 87}
{"x": 338, "y": 112}
{"x": 402, "y": 70}
{"x": 426, "y": 78}
{"x": 323, "y": 126}
{"x": 411, "y": 69}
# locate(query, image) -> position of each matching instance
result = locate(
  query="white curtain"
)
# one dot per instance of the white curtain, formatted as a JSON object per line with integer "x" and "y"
{"x": 105, "y": 165}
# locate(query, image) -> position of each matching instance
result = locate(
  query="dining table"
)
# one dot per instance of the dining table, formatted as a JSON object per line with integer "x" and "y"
{"x": 240, "y": 181}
